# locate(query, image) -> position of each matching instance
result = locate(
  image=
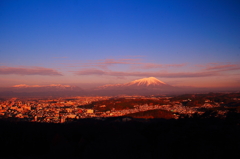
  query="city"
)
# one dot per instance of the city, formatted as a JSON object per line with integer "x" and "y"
{"x": 60, "y": 110}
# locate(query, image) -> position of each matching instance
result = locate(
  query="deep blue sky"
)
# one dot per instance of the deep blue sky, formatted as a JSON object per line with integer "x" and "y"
{"x": 76, "y": 38}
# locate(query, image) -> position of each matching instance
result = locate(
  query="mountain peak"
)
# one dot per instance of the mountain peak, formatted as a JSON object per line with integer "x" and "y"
{"x": 150, "y": 81}
{"x": 144, "y": 86}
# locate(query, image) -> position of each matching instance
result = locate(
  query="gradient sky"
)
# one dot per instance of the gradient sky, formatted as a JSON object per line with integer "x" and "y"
{"x": 181, "y": 42}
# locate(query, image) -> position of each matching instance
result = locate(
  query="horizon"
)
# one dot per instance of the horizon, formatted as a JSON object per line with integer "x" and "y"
{"x": 95, "y": 85}
{"x": 140, "y": 87}
{"x": 93, "y": 43}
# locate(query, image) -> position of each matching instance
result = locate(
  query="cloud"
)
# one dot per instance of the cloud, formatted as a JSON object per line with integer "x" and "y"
{"x": 28, "y": 71}
{"x": 154, "y": 65}
{"x": 147, "y": 74}
{"x": 130, "y": 63}
{"x": 223, "y": 66}
{"x": 102, "y": 63}
{"x": 91, "y": 72}
{"x": 226, "y": 67}
{"x": 135, "y": 64}
{"x": 110, "y": 62}
{"x": 211, "y": 69}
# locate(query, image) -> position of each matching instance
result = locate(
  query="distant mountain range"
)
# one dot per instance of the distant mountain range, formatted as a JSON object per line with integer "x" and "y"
{"x": 144, "y": 86}
{"x": 54, "y": 90}
{"x": 51, "y": 87}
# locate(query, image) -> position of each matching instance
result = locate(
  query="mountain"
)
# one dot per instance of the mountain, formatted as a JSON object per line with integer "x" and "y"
{"x": 146, "y": 82}
{"x": 151, "y": 86}
{"x": 52, "y": 87}
{"x": 144, "y": 86}
{"x": 56, "y": 90}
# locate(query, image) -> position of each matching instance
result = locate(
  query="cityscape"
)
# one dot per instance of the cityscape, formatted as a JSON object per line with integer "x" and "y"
{"x": 61, "y": 110}
{"x": 119, "y": 79}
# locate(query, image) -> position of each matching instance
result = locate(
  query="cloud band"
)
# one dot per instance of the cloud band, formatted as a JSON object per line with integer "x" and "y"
{"x": 28, "y": 71}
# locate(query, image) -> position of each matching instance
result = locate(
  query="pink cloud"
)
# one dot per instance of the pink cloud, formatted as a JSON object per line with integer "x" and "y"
{"x": 116, "y": 61}
{"x": 130, "y": 63}
{"x": 148, "y": 74}
{"x": 28, "y": 71}
{"x": 91, "y": 72}
{"x": 226, "y": 67}
{"x": 211, "y": 69}
{"x": 219, "y": 67}
{"x": 134, "y": 63}
{"x": 154, "y": 65}
{"x": 104, "y": 64}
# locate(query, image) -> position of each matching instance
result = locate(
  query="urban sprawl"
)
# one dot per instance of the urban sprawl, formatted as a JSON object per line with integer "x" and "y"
{"x": 61, "y": 110}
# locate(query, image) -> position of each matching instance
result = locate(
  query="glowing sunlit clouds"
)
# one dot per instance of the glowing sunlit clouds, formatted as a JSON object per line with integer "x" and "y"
{"x": 146, "y": 74}
{"x": 4, "y": 70}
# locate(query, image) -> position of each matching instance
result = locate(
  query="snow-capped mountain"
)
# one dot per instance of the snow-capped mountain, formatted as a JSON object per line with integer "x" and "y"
{"x": 150, "y": 81}
{"x": 144, "y": 86}
{"x": 144, "y": 82}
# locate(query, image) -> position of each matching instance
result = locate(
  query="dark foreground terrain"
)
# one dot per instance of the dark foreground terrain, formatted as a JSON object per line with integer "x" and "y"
{"x": 197, "y": 137}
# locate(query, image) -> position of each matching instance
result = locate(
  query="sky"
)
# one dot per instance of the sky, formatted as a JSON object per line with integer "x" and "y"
{"x": 95, "y": 42}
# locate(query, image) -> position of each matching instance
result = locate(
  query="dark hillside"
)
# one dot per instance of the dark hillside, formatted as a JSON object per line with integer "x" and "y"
{"x": 151, "y": 114}
{"x": 196, "y": 137}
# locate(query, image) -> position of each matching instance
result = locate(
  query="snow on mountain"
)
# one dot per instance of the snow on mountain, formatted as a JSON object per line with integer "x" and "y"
{"x": 150, "y": 81}
{"x": 51, "y": 85}
{"x": 144, "y": 86}
{"x": 144, "y": 82}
